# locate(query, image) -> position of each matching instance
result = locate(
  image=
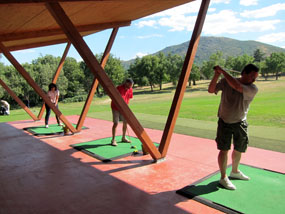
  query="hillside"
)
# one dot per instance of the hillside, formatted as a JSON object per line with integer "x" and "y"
{"x": 209, "y": 45}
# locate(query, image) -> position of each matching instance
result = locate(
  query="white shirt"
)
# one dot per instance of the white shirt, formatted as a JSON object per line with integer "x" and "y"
{"x": 53, "y": 95}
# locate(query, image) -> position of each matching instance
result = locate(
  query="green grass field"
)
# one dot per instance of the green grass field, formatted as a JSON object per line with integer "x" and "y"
{"x": 198, "y": 113}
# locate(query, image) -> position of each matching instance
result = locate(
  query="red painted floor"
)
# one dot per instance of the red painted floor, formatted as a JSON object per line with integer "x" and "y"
{"x": 45, "y": 175}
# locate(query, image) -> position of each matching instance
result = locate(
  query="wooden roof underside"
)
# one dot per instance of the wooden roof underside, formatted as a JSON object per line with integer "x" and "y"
{"x": 28, "y": 24}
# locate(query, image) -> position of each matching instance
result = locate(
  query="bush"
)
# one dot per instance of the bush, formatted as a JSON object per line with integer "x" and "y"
{"x": 79, "y": 98}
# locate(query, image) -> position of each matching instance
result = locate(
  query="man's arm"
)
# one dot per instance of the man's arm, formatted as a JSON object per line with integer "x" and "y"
{"x": 56, "y": 98}
{"x": 213, "y": 83}
{"x": 233, "y": 82}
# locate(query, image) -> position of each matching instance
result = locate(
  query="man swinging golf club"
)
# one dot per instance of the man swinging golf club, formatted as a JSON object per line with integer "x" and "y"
{"x": 237, "y": 94}
{"x": 126, "y": 92}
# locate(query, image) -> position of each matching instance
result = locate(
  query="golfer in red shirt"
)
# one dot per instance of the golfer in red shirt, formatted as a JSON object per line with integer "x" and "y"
{"x": 126, "y": 92}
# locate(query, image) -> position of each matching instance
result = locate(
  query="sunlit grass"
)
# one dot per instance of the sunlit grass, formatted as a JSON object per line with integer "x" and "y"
{"x": 198, "y": 113}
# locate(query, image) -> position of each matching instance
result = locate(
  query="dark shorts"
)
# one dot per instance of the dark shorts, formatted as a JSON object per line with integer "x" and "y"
{"x": 228, "y": 131}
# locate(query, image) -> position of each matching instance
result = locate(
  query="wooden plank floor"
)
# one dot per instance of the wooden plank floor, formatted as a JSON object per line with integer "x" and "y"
{"x": 45, "y": 175}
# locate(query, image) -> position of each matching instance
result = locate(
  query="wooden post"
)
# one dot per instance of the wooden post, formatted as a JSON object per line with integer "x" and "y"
{"x": 18, "y": 100}
{"x": 56, "y": 75}
{"x": 184, "y": 76}
{"x": 95, "y": 81}
{"x": 32, "y": 83}
{"x": 71, "y": 32}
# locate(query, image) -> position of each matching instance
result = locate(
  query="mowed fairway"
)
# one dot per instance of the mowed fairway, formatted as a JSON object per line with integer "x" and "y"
{"x": 198, "y": 113}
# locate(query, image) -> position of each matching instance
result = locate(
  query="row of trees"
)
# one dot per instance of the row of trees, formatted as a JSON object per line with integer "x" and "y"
{"x": 273, "y": 65}
{"x": 153, "y": 70}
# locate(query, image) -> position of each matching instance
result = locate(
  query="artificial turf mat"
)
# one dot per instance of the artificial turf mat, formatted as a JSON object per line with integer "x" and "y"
{"x": 51, "y": 130}
{"x": 263, "y": 193}
{"x": 103, "y": 150}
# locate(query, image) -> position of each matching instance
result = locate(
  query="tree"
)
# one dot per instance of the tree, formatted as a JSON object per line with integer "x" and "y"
{"x": 258, "y": 55}
{"x": 2, "y": 77}
{"x": 238, "y": 63}
{"x": 275, "y": 64}
{"x": 174, "y": 67}
{"x": 194, "y": 75}
{"x": 43, "y": 70}
{"x": 75, "y": 77}
{"x": 113, "y": 68}
{"x": 136, "y": 73}
{"x": 207, "y": 67}
{"x": 161, "y": 70}
{"x": 148, "y": 67}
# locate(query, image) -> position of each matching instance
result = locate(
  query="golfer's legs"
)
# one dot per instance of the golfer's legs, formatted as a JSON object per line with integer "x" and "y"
{"x": 115, "y": 123}
{"x": 47, "y": 114}
{"x": 223, "y": 161}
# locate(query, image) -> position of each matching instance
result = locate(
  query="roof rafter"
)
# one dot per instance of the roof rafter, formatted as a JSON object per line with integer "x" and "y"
{"x": 58, "y": 31}
{"x": 51, "y": 1}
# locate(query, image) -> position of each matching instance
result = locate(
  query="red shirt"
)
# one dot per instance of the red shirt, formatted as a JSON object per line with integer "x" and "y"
{"x": 126, "y": 93}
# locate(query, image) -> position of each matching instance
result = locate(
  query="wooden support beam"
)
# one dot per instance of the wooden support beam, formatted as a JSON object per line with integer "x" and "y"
{"x": 35, "y": 45}
{"x": 183, "y": 80}
{"x": 50, "y": 1}
{"x": 18, "y": 100}
{"x": 67, "y": 26}
{"x": 53, "y": 32}
{"x": 56, "y": 75}
{"x": 95, "y": 81}
{"x": 32, "y": 83}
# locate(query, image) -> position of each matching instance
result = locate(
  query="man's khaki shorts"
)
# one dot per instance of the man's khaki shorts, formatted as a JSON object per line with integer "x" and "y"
{"x": 117, "y": 116}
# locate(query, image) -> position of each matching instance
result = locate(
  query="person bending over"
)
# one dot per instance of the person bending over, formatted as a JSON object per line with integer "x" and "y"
{"x": 5, "y": 108}
{"x": 126, "y": 92}
{"x": 237, "y": 94}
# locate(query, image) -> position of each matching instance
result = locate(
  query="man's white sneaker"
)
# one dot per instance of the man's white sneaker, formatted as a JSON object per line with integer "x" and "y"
{"x": 227, "y": 183}
{"x": 46, "y": 126}
{"x": 239, "y": 176}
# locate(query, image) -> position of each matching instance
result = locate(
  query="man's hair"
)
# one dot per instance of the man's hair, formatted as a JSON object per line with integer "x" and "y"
{"x": 52, "y": 85}
{"x": 130, "y": 80}
{"x": 249, "y": 68}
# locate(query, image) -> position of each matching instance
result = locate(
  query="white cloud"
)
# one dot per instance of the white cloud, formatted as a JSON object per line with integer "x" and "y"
{"x": 272, "y": 37}
{"x": 264, "y": 12}
{"x": 220, "y": 1}
{"x": 192, "y": 7}
{"x": 226, "y": 21}
{"x": 149, "y": 36}
{"x": 212, "y": 9}
{"x": 217, "y": 23}
{"x": 178, "y": 23}
{"x": 26, "y": 51}
{"x": 140, "y": 54}
{"x": 248, "y": 2}
{"x": 149, "y": 23}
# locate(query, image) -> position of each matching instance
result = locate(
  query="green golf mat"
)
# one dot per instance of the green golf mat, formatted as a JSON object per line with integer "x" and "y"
{"x": 263, "y": 193}
{"x": 51, "y": 130}
{"x": 103, "y": 150}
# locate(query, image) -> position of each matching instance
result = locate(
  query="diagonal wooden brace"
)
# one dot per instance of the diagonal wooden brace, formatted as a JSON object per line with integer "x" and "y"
{"x": 95, "y": 81}
{"x": 71, "y": 32}
{"x": 18, "y": 100}
{"x": 33, "y": 84}
{"x": 184, "y": 76}
{"x": 56, "y": 75}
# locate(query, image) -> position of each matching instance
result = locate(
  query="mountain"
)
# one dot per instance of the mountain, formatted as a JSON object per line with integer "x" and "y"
{"x": 209, "y": 45}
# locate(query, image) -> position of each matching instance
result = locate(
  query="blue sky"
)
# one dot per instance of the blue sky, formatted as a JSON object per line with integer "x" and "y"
{"x": 259, "y": 20}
